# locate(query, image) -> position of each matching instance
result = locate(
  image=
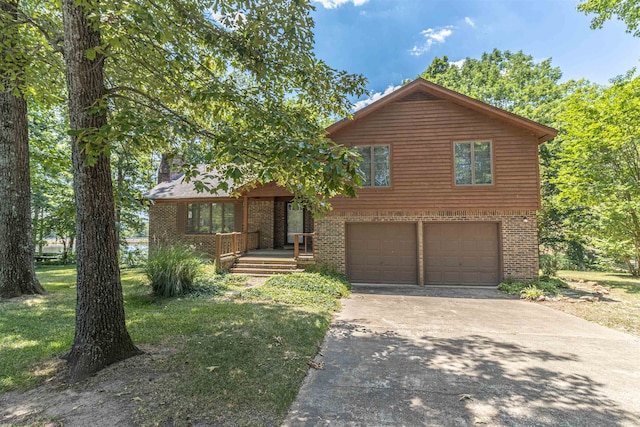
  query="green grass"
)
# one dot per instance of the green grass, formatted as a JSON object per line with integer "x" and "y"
{"x": 230, "y": 359}
{"x": 619, "y": 309}
{"x": 621, "y": 281}
{"x": 311, "y": 289}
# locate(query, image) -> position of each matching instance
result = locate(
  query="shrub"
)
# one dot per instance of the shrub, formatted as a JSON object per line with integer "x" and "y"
{"x": 172, "y": 270}
{"x": 531, "y": 293}
{"x": 532, "y": 289}
{"x": 511, "y": 287}
{"x": 550, "y": 264}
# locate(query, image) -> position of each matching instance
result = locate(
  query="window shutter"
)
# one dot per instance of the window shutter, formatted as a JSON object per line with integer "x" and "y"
{"x": 181, "y": 218}
{"x": 238, "y": 216}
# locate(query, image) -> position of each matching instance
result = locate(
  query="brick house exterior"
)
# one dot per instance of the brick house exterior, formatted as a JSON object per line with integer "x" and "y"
{"x": 452, "y": 196}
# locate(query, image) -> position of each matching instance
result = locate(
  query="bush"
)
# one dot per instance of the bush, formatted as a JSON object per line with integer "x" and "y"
{"x": 172, "y": 270}
{"x": 531, "y": 293}
{"x": 550, "y": 264}
{"x": 532, "y": 289}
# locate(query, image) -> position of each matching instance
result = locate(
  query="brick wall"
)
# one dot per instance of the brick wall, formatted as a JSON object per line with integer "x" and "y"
{"x": 163, "y": 226}
{"x": 519, "y": 239}
{"x": 308, "y": 221}
{"x": 261, "y": 219}
{"x": 163, "y": 229}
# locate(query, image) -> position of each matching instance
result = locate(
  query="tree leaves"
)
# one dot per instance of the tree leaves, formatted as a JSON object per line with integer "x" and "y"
{"x": 599, "y": 166}
{"x": 627, "y": 11}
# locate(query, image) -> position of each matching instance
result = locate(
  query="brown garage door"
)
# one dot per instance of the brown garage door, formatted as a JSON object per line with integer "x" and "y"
{"x": 461, "y": 254}
{"x": 382, "y": 253}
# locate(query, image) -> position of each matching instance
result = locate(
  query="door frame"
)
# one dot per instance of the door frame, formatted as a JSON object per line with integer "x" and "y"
{"x": 286, "y": 222}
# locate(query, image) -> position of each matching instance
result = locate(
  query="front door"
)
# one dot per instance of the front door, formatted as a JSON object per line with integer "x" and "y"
{"x": 295, "y": 223}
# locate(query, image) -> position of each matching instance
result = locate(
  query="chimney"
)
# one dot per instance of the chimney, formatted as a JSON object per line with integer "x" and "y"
{"x": 164, "y": 171}
{"x": 175, "y": 170}
{"x": 170, "y": 167}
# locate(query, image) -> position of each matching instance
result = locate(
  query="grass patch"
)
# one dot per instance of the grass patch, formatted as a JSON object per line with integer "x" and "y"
{"x": 233, "y": 361}
{"x": 619, "y": 309}
{"x": 311, "y": 289}
{"x": 621, "y": 281}
{"x": 532, "y": 289}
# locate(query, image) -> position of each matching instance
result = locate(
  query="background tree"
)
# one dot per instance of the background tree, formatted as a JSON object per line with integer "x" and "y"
{"x": 600, "y": 167}
{"x": 627, "y": 11}
{"x": 52, "y": 203}
{"x": 511, "y": 81}
{"x": 17, "y": 274}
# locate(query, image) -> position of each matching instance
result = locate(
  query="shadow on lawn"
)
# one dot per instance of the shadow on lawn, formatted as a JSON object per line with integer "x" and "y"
{"x": 382, "y": 378}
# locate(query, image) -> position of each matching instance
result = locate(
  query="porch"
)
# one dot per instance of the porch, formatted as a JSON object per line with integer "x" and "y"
{"x": 241, "y": 253}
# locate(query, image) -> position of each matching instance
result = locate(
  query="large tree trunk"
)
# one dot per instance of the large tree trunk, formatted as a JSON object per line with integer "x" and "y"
{"x": 17, "y": 275}
{"x": 101, "y": 337}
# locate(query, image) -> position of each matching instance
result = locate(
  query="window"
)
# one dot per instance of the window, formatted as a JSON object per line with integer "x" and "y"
{"x": 374, "y": 166}
{"x": 472, "y": 163}
{"x": 210, "y": 218}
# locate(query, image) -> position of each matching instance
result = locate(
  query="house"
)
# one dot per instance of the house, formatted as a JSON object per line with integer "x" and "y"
{"x": 450, "y": 197}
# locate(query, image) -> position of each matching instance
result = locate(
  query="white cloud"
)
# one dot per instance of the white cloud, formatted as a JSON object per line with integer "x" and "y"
{"x": 469, "y": 22}
{"x": 361, "y": 104}
{"x": 332, "y": 4}
{"x": 458, "y": 63}
{"x": 432, "y": 37}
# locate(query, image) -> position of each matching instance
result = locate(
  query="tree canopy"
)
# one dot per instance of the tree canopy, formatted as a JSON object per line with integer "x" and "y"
{"x": 236, "y": 81}
{"x": 599, "y": 167}
{"x": 627, "y": 11}
{"x": 507, "y": 80}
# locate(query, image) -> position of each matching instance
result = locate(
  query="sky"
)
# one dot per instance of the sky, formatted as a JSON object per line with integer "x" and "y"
{"x": 391, "y": 40}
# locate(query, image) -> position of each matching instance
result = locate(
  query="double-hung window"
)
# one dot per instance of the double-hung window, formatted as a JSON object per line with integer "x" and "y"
{"x": 210, "y": 218}
{"x": 473, "y": 163}
{"x": 374, "y": 166}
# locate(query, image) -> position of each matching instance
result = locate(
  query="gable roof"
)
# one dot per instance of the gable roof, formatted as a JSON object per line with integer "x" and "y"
{"x": 542, "y": 132}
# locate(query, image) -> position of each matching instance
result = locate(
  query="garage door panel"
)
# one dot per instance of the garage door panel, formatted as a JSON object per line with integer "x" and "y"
{"x": 382, "y": 252}
{"x": 461, "y": 253}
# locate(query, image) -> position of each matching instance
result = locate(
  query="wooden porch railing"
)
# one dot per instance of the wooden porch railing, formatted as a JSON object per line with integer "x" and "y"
{"x": 306, "y": 249}
{"x": 234, "y": 244}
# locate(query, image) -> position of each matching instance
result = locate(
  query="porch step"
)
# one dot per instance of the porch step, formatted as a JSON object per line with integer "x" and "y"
{"x": 263, "y": 271}
{"x": 264, "y": 261}
{"x": 267, "y": 266}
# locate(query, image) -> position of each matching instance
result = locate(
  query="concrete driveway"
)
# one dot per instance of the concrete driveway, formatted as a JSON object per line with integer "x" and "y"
{"x": 410, "y": 356}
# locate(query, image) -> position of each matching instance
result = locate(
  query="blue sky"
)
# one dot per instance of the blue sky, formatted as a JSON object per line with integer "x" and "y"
{"x": 391, "y": 40}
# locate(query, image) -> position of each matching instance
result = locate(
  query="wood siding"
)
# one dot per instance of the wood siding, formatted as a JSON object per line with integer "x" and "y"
{"x": 421, "y": 134}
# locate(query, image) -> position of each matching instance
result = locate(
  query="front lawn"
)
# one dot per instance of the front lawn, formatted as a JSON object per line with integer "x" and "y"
{"x": 619, "y": 309}
{"x": 610, "y": 299}
{"x": 214, "y": 358}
